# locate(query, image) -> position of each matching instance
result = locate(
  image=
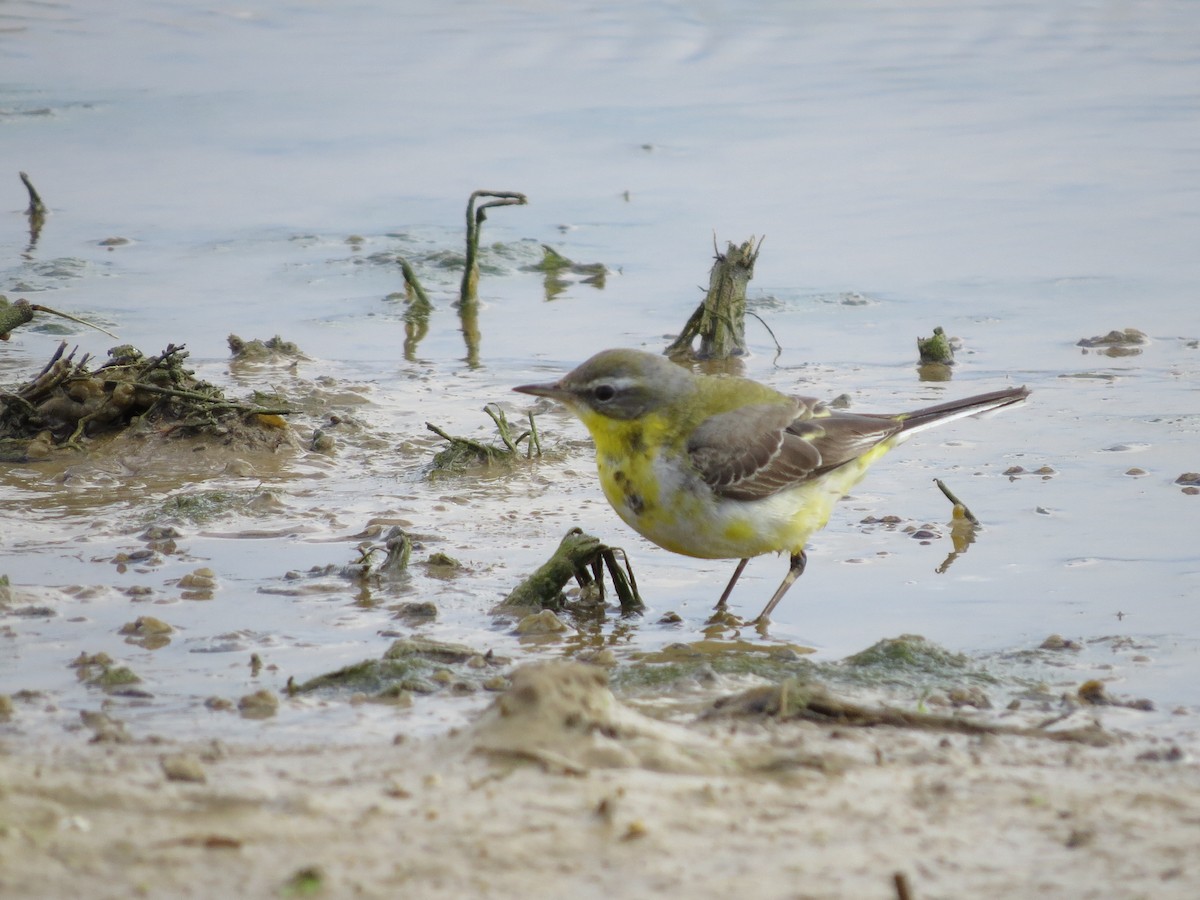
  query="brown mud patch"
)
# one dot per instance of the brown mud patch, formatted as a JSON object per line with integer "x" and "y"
{"x": 559, "y": 789}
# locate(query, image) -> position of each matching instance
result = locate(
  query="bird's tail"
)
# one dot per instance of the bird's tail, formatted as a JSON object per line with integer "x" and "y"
{"x": 921, "y": 419}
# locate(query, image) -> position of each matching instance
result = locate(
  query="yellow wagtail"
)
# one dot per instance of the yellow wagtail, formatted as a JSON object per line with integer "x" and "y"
{"x": 720, "y": 467}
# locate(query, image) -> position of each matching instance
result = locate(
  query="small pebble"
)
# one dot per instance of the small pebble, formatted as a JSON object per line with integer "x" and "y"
{"x": 322, "y": 442}
{"x": 259, "y": 705}
{"x": 544, "y": 622}
{"x": 183, "y": 767}
{"x": 1058, "y": 642}
{"x": 146, "y": 625}
{"x": 202, "y": 578}
{"x": 239, "y": 468}
{"x": 635, "y": 830}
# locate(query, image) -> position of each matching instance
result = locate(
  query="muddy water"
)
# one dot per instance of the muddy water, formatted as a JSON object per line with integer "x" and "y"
{"x": 1022, "y": 175}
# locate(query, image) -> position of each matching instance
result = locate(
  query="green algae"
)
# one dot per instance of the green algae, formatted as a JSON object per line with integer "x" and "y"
{"x": 703, "y": 659}
{"x": 411, "y": 665}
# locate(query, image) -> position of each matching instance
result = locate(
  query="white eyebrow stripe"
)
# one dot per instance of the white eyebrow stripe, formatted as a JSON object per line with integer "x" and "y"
{"x": 623, "y": 383}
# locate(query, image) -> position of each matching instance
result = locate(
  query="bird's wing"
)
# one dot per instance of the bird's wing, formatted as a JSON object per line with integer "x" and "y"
{"x": 756, "y": 451}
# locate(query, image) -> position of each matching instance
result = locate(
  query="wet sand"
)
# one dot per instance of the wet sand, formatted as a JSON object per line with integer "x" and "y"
{"x": 561, "y": 790}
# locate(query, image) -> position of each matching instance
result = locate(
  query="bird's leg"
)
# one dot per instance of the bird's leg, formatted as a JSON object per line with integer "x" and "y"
{"x": 798, "y": 560}
{"x": 737, "y": 573}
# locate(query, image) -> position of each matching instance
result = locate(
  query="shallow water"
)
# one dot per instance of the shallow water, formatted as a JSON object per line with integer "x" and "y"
{"x": 1023, "y": 175}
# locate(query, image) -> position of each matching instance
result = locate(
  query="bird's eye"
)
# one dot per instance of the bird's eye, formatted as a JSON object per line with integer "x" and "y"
{"x": 604, "y": 392}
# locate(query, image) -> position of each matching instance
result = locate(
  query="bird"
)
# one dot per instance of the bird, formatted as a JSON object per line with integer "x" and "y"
{"x": 724, "y": 467}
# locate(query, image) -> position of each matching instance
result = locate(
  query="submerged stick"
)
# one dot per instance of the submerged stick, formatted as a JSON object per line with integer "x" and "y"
{"x": 36, "y": 212}
{"x": 14, "y": 316}
{"x": 414, "y": 284}
{"x": 534, "y": 445}
{"x": 476, "y": 216}
{"x": 468, "y": 302}
{"x": 964, "y": 528}
{"x": 36, "y": 206}
{"x": 624, "y": 584}
{"x": 960, "y": 508}
{"x": 720, "y": 321}
{"x": 211, "y": 402}
{"x": 502, "y": 426}
{"x": 814, "y": 703}
{"x": 543, "y": 589}
{"x": 19, "y": 313}
{"x": 575, "y": 555}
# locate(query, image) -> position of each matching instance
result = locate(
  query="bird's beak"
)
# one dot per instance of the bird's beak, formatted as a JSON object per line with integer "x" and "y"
{"x": 554, "y": 390}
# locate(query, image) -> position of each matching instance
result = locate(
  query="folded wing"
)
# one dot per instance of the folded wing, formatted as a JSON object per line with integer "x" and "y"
{"x": 757, "y": 451}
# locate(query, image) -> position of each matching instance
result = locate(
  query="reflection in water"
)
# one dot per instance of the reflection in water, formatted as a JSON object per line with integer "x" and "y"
{"x": 555, "y": 267}
{"x": 964, "y": 527}
{"x": 468, "y": 314}
{"x": 962, "y": 535}
{"x": 416, "y": 317}
{"x": 934, "y": 372}
{"x": 598, "y": 633}
{"x": 1115, "y": 344}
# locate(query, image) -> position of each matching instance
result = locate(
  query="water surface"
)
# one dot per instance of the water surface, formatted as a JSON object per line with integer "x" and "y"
{"x": 1023, "y": 175}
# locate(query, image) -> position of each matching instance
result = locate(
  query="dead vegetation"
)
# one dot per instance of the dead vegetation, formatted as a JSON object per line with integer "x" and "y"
{"x": 70, "y": 402}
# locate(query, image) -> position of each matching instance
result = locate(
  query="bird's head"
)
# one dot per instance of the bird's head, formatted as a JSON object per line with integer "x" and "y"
{"x": 619, "y": 384}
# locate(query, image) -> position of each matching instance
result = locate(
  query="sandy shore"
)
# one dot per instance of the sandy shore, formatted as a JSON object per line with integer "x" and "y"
{"x": 560, "y": 790}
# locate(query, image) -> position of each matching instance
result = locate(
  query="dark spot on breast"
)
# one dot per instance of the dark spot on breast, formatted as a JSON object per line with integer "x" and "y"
{"x": 634, "y": 501}
{"x": 620, "y": 477}
{"x": 635, "y": 440}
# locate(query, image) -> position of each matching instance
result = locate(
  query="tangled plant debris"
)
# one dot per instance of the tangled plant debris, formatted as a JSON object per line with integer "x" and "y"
{"x": 464, "y": 453}
{"x": 583, "y": 558}
{"x": 559, "y": 271}
{"x": 413, "y": 665}
{"x": 936, "y": 348}
{"x": 1118, "y": 342}
{"x": 70, "y": 402}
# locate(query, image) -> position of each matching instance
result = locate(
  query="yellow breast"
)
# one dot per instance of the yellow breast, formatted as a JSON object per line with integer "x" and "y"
{"x": 648, "y": 480}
